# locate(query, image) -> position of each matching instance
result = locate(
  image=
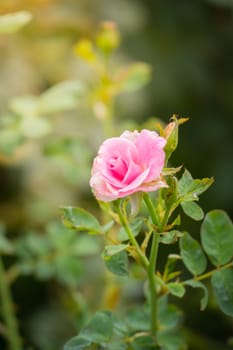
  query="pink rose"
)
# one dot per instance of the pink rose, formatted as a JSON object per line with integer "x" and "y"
{"x": 127, "y": 164}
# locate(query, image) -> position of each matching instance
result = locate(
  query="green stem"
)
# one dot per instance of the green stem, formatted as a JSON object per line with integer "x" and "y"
{"x": 210, "y": 273}
{"x": 153, "y": 213}
{"x": 152, "y": 283}
{"x": 8, "y": 312}
{"x": 133, "y": 240}
{"x": 152, "y": 266}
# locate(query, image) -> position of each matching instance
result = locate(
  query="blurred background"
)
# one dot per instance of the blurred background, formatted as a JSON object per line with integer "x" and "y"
{"x": 189, "y": 46}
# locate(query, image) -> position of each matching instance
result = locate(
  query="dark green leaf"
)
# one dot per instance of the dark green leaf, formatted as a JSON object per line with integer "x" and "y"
{"x": 192, "y": 255}
{"x": 80, "y": 220}
{"x": 222, "y": 282}
{"x": 118, "y": 263}
{"x": 198, "y": 284}
{"x": 193, "y": 210}
{"x": 117, "y": 345}
{"x": 176, "y": 289}
{"x": 169, "y": 316}
{"x": 170, "y": 237}
{"x": 100, "y": 328}
{"x": 111, "y": 250}
{"x": 189, "y": 189}
{"x": 135, "y": 227}
{"x": 217, "y": 237}
{"x": 137, "y": 319}
{"x": 144, "y": 343}
{"x": 77, "y": 343}
{"x": 171, "y": 341}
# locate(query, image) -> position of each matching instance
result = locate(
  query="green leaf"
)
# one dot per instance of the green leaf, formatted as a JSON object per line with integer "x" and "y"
{"x": 189, "y": 189}
{"x": 217, "y": 237}
{"x": 13, "y": 22}
{"x": 60, "y": 97}
{"x": 170, "y": 266}
{"x": 117, "y": 345}
{"x": 80, "y": 220}
{"x": 77, "y": 343}
{"x": 133, "y": 77}
{"x": 111, "y": 250}
{"x": 100, "y": 328}
{"x": 118, "y": 263}
{"x": 84, "y": 246}
{"x": 170, "y": 237}
{"x": 144, "y": 343}
{"x": 193, "y": 210}
{"x": 222, "y": 283}
{"x": 198, "y": 284}
{"x": 68, "y": 269}
{"x": 176, "y": 289}
{"x": 169, "y": 316}
{"x": 135, "y": 227}
{"x": 192, "y": 255}
{"x": 171, "y": 340}
{"x": 137, "y": 319}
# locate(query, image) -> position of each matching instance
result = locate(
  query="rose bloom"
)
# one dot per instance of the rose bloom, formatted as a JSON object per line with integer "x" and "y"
{"x": 127, "y": 164}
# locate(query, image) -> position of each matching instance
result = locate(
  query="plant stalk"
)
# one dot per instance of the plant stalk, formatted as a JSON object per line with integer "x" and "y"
{"x": 8, "y": 312}
{"x": 132, "y": 239}
{"x": 152, "y": 283}
{"x": 152, "y": 266}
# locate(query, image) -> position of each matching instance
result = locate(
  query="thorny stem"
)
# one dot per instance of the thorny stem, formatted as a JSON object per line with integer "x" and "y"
{"x": 8, "y": 312}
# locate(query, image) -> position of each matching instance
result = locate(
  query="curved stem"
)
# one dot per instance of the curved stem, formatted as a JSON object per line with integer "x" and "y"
{"x": 8, "y": 312}
{"x": 132, "y": 239}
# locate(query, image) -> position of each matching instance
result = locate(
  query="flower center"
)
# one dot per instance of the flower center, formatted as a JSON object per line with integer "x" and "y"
{"x": 117, "y": 167}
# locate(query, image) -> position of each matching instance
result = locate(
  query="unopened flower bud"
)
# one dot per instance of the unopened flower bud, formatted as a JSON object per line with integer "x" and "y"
{"x": 84, "y": 49}
{"x": 108, "y": 39}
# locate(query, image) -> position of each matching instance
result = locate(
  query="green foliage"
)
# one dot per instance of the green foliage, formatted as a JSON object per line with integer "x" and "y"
{"x": 171, "y": 341}
{"x": 117, "y": 263}
{"x": 217, "y": 237}
{"x": 192, "y": 255}
{"x": 222, "y": 282}
{"x": 62, "y": 253}
{"x": 176, "y": 289}
{"x": 170, "y": 237}
{"x": 189, "y": 189}
{"x": 80, "y": 220}
{"x": 192, "y": 210}
{"x": 56, "y": 254}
